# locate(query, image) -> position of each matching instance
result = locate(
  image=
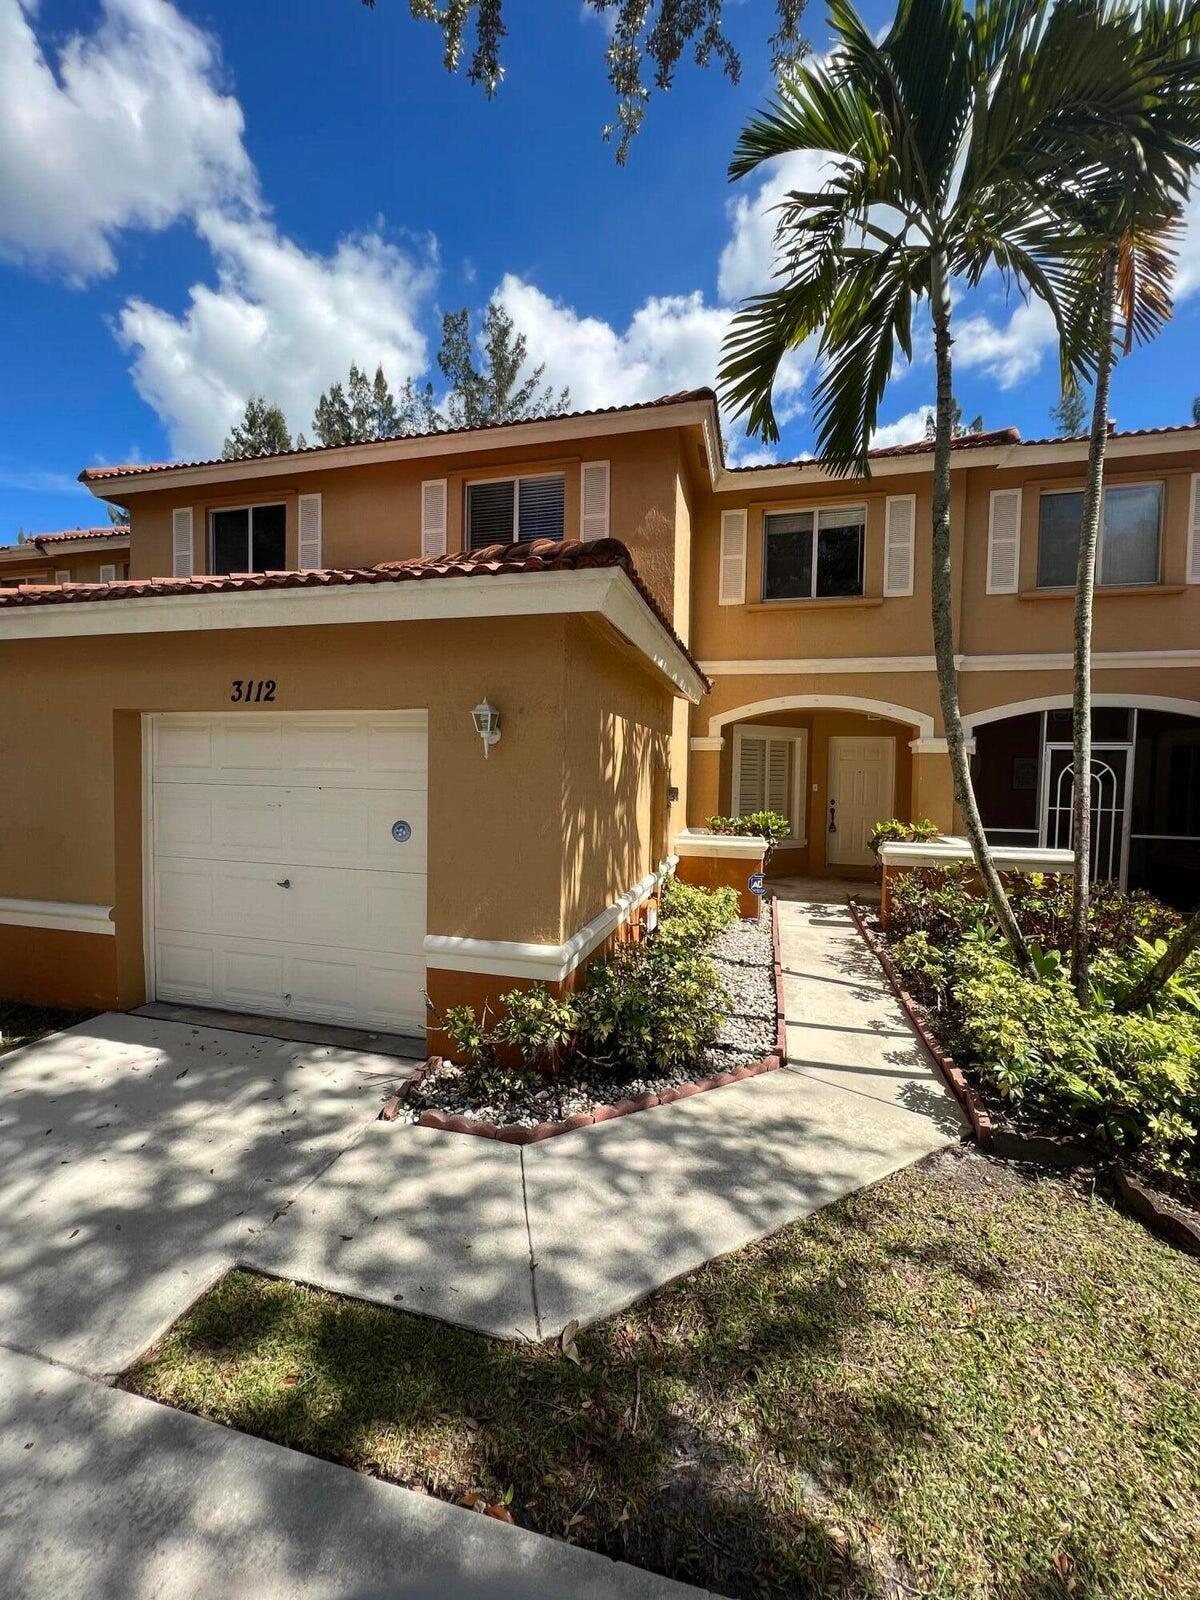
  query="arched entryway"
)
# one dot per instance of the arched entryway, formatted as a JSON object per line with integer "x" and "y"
{"x": 834, "y": 765}
{"x": 1145, "y": 784}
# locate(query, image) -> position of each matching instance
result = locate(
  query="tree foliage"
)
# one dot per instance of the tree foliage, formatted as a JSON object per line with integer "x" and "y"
{"x": 1071, "y": 412}
{"x": 958, "y": 428}
{"x": 648, "y": 39}
{"x": 119, "y": 516}
{"x": 492, "y": 392}
{"x": 263, "y": 431}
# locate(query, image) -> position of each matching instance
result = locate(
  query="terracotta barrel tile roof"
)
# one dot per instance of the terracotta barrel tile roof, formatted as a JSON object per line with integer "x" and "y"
{"x": 537, "y": 555}
{"x": 141, "y": 468}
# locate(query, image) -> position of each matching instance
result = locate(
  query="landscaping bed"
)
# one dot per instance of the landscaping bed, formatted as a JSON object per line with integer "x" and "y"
{"x": 21, "y": 1024}
{"x": 970, "y": 1382}
{"x": 594, "y": 1075}
{"x": 1040, "y": 1074}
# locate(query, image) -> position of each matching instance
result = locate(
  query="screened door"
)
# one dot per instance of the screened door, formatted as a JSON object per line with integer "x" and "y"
{"x": 1112, "y": 774}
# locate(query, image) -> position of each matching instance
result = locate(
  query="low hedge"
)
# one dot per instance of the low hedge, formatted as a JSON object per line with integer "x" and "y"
{"x": 1131, "y": 1081}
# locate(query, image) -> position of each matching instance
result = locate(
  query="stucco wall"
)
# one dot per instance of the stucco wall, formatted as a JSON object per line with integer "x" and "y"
{"x": 372, "y": 513}
{"x": 70, "y": 809}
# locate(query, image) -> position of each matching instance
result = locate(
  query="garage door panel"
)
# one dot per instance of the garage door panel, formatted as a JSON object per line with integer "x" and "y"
{"x": 367, "y": 990}
{"x": 279, "y": 885}
{"x": 312, "y": 827}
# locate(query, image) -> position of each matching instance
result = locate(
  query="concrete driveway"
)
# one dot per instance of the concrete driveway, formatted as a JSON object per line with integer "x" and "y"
{"x": 140, "y": 1158}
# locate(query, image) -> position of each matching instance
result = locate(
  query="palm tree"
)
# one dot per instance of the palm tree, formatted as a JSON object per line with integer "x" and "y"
{"x": 949, "y": 143}
{"x": 1120, "y": 294}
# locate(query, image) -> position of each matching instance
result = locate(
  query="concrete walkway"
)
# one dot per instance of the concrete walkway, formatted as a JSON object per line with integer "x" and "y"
{"x": 138, "y": 1158}
{"x": 518, "y": 1242}
{"x": 106, "y": 1496}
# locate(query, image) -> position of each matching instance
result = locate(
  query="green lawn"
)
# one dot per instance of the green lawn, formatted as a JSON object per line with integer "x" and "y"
{"x": 963, "y": 1382}
{"x": 21, "y": 1024}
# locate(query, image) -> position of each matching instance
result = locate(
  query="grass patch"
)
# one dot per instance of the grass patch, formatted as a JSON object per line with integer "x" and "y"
{"x": 22, "y": 1024}
{"x": 962, "y": 1383}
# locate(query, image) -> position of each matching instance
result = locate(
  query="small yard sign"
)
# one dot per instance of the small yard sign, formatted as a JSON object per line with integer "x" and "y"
{"x": 755, "y": 883}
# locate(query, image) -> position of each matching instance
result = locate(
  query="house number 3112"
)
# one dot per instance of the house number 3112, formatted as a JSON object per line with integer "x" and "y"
{"x": 257, "y": 689}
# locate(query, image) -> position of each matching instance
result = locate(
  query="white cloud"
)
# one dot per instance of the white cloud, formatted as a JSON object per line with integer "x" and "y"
{"x": 126, "y": 129}
{"x": 1009, "y": 352}
{"x": 281, "y": 321}
{"x": 1187, "y": 271}
{"x": 749, "y": 255}
{"x": 908, "y": 429}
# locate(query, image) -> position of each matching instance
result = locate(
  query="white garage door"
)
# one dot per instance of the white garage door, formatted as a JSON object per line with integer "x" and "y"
{"x": 287, "y": 858}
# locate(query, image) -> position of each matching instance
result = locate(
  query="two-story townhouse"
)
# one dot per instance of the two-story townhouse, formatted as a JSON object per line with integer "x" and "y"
{"x": 76, "y": 555}
{"x": 263, "y": 772}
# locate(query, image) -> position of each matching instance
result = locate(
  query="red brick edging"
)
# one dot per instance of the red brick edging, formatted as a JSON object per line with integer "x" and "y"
{"x": 981, "y": 1123}
{"x": 517, "y": 1134}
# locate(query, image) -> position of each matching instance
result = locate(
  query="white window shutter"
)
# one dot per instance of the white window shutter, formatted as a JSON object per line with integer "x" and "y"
{"x": 433, "y": 517}
{"x": 779, "y": 777}
{"x": 308, "y": 516}
{"x": 750, "y": 779}
{"x": 733, "y": 558}
{"x": 1193, "y": 566}
{"x": 181, "y": 542}
{"x": 899, "y": 535}
{"x": 108, "y": 574}
{"x": 593, "y": 500}
{"x": 62, "y": 575}
{"x": 1004, "y": 542}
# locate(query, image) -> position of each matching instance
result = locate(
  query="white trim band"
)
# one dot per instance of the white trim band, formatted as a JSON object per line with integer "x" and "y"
{"x": 63, "y": 915}
{"x": 949, "y": 851}
{"x": 733, "y": 846}
{"x": 546, "y": 963}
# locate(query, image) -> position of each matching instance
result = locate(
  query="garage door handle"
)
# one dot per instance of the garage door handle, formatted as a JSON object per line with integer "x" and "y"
{"x": 283, "y": 883}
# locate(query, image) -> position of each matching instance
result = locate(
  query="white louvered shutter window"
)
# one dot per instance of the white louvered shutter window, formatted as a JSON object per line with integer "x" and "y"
{"x": 898, "y": 543}
{"x": 433, "y": 517}
{"x": 1004, "y": 542}
{"x": 62, "y": 575}
{"x": 181, "y": 542}
{"x": 751, "y": 775}
{"x": 593, "y": 500}
{"x": 108, "y": 574}
{"x": 779, "y": 777}
{"x": 733, "y": 559}
{"x": 308, "y": 509}
{"x": 1193, "y": 566}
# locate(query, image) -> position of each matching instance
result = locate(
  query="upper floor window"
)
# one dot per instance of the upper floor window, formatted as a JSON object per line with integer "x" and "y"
{"x": 249, "y": 539}
{"x": 507, "y": 510}
{"x": 1130, "y": 533}
{"x": 814, "y": 554}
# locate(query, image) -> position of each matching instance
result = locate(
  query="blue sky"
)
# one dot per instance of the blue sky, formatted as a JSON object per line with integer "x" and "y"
{"x": 200, "y": 200}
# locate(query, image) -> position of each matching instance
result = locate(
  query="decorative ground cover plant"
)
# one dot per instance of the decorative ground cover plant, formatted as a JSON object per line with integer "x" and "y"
{"x": 695, "y": 998}
{"x": 1127, "y": 1082}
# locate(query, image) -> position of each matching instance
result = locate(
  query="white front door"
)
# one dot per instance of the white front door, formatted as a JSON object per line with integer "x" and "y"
{"x": 861, "y": 775}
{"x": 287, "y": 864}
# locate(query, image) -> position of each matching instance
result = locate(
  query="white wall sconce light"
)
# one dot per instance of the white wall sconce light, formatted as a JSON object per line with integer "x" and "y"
{"x": 487, "y": 725}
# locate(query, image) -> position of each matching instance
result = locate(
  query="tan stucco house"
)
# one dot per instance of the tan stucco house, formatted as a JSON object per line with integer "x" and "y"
{"x": 251, "y": 775}
{"x": 76, "y": 555}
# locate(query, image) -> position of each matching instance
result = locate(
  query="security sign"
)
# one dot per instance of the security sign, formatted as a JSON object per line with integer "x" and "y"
{"x": 402, "y": 831}
{"x": 755, "y": 883}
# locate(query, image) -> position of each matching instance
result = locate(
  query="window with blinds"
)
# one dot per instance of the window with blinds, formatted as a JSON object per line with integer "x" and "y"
{"x": 514, "y": 509}
{"x": 769, "y": 774}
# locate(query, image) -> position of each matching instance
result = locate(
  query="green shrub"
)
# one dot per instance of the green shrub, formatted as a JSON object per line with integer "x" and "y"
{"x": 540, "y": 1026}
{"x": 691, "y": 917}
{"x": 894, "y": 831}
{"x": 769, "y": 825}
{"x": 1131, "y": 1081}
{"x": 484, "y": 1077}
{"x": 935, "y": 900}
{"x": 650, "y": 1007}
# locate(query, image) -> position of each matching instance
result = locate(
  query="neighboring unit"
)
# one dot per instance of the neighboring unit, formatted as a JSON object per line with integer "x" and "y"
{"x": 253, "y": 775}
{"x": 77, "y": 555}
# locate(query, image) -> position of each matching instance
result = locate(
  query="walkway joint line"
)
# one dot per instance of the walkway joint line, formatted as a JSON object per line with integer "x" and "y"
{"x": 537, "y": 1315}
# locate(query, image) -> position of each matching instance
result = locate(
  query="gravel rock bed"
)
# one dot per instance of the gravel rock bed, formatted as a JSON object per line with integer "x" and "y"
{"x": 744, "y": 957}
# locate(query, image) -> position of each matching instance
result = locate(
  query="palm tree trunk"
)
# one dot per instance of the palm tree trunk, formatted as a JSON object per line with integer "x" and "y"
{"x": 1172, "y": 958}
{"x": 943, "y": 622}
{"x": 1085, "y": 584}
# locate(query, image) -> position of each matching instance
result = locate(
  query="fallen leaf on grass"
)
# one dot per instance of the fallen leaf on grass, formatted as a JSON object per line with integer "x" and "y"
{"x": 501, "y": 1513}
{"x": 566, "y": 1341}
